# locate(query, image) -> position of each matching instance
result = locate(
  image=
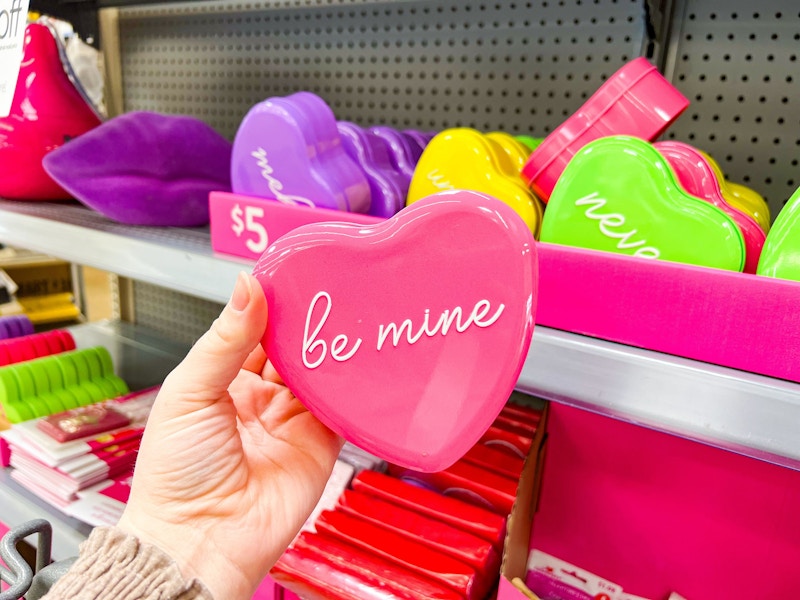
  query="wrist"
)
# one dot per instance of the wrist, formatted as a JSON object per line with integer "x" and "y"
{"x": 194, "y": 554}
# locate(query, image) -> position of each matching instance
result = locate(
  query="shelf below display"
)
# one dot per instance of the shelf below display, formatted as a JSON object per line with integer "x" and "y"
{"x": 742, "y": 412}
{"x": 731, "y": 409}
{"x": 142, "y": 359}
{"x": 175, "y": 258}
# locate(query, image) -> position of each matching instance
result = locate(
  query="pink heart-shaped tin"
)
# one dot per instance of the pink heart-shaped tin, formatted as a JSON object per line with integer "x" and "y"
{"x": 405, "y": 337}
{"x": 697, "y": 177}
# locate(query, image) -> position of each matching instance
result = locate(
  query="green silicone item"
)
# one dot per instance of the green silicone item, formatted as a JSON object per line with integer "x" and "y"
{"x": 780, "y": 256}
{"x": 618, "y": 194}
{"x": 92, "y": 357}
{"x": 39, "y": 408}
{"x": 120, "y": 386}
{"x": 68, "y": 369}
{"x": 531, "y": 142}
{"x": 18, "y": 412}
{"x": 96, "y": 393}
{"x": 82, "y": 396}
{"x": 82, "y": 368}
{"x": 38, "y": 373}
{"x": 66, "y": 397}
{"x": 106, "y": 363}
{"x": 53, "y": 403}
{"x": 54, "y": 374}
{"x": 27, "y": 389}
{"x": 9, "y": 387}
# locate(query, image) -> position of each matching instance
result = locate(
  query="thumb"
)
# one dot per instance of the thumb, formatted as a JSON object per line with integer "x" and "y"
{"x": 215, "y": 360}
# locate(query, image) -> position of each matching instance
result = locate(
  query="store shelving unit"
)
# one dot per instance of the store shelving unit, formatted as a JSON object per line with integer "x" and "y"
{"x": 142, "y": 359}
{"x": 738, "y": 411}
{"x": 521, "y": 67}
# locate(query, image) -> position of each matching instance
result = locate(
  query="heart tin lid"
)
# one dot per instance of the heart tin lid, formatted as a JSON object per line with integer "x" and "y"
{"x": 635, "y": 101}
{"x": 391, "y": 334}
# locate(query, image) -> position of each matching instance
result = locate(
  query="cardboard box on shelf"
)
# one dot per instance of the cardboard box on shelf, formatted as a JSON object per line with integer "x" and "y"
{"x": 520, "y": 521}
{"x": 44, "y": 287}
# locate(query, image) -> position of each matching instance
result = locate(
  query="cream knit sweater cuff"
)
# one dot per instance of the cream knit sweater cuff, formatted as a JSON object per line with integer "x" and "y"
{"x": 116, "y": 566}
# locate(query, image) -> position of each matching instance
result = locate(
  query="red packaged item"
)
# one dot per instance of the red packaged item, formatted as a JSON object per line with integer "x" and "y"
{"x": 523, "y": 413}
{"x": 370, "y": 568}
{"x": 82, "y": 422}
{"x": 467, "y": 517}
{"x": 514, "y": 443}
{"x": 445, "y": 538}
{"x": 466, "y": 482}
{"x": 514, "y": 425}
{"x": 397, "y": 549}
{"x": 497, "y": 461}
{"x": 314, "y": 579}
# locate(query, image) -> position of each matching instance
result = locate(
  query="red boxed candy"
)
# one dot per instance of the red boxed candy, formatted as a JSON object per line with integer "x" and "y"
{"x": 496, "y": 461}
{"x": 445, "y": 538}
{"x": 315, "y": 579}
{"x": 501, "y": 439}
{"x": 372, "y": 570}
{"x": 408, "y": 554}
{"x": 466, "y": 482}
{"x": 467, "y": 517}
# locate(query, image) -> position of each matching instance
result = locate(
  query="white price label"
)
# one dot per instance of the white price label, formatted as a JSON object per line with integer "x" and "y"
{"x": 246, "y": 220}
{"x": 13, "y": 20}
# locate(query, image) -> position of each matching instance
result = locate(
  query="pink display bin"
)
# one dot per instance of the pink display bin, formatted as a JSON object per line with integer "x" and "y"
{"x": 657, "y": 513}
{"x": 738, "y": 320}
{"x": 245, "y": 225}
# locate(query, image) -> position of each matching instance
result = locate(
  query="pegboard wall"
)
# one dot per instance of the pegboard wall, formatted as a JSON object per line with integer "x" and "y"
{"x": 176, "y": 316}
{"x": 520, "y": 67}
{"x": 737, "y": 61}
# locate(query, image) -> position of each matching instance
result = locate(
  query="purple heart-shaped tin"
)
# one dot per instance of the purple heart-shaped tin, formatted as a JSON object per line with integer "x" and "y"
{"x": 388, "y": 188}
{"x": 399, "y": 150}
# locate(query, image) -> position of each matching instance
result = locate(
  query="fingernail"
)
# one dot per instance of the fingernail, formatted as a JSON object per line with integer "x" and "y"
{"x": 241, "y": 292}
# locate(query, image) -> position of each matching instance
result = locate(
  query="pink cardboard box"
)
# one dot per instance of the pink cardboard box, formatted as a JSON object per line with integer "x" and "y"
{"x": 245, "y": 226}
{"x": 743, "y": 321}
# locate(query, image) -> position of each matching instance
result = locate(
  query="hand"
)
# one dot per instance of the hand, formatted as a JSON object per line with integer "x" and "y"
{"x": 231, "y": 464}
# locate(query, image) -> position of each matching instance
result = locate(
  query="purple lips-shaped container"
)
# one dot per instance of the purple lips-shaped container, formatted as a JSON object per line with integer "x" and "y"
{"x": 145, "y": 168}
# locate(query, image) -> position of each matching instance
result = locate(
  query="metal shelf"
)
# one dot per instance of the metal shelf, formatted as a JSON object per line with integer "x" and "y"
{"x": 142, "y": 360}
{"x": 734, "y": 410}
{"x": 742, "y": 412}
{"x": 180, "y": 259}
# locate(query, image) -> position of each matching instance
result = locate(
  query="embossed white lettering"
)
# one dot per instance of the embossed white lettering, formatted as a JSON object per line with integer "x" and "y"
{"x": 608, "y": 222}
{"x": 436, "y": 179}
{"x": 443, "y": 324}
{"x": 275, "y": 185}
{"x": 338, "y": 347}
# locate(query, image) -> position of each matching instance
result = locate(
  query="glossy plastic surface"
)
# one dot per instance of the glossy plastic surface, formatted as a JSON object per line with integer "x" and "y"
{"x": 285, "y": 150}
{"x": 399, "y": 319}
{"x": 739, "y": 196}
{"x": 532, "y": 143}
{"x": 517, "y": 152}
{"x": 698, "y": 178}
{"x": 620, "y": 195}
{"x": 781, "y": 255}
{"x": 403, "y": 156}
{"x": 47, "y": 111}
{"x": 636, "y": 101}
{"x": 388, "y": 187}
{"x": 467, "y": 159}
